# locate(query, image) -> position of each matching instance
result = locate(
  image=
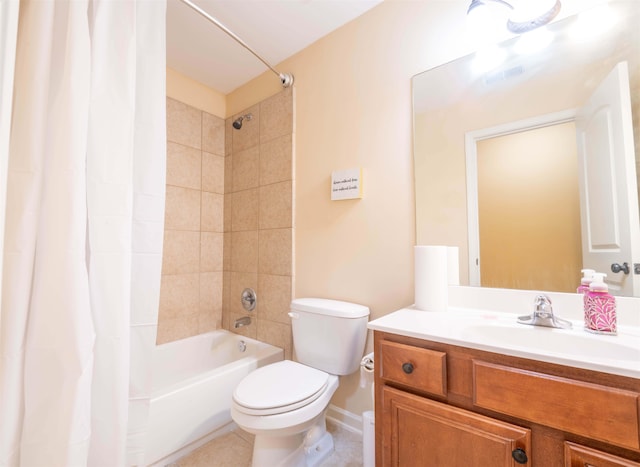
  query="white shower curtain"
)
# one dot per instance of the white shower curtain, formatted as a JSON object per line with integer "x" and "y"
{"x": 83, "y": 235}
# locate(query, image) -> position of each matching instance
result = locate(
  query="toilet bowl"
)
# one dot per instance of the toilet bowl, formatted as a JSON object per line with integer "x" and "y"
{"x": 284, "y": 404}
{"x": 289, "y": 423}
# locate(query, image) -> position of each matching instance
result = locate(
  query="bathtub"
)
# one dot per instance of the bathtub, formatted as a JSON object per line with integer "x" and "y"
{"x": 193, "y": 381}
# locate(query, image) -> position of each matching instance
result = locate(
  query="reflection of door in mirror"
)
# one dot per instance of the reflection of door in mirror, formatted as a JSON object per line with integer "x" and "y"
{"x": 610, "y": 223}
{"x": 529, "y": 209}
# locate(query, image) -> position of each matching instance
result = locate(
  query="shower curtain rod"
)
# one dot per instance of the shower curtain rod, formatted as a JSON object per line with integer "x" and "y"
{"x": 286, "y": 79}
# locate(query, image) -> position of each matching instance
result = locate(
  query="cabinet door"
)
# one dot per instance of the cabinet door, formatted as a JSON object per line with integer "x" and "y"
{"x": 582, "y": 456}
{"x": 421, "y": 432}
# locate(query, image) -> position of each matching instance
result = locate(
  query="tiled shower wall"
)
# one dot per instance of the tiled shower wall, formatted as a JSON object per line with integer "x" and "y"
{"x": 239, "y": 182}
{"x": 259, "y": 219}
{"x": 191, "y": 288}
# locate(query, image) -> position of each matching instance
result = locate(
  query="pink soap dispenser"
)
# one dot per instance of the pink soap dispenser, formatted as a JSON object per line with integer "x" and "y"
{"x": 587, "y": 277}
{"x": 600, "y": 307}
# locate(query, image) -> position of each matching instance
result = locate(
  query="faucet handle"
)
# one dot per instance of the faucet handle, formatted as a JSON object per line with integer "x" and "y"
{"x": 542, "y": 304}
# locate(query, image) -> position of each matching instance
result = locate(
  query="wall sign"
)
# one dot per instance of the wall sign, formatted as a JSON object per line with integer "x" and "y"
{"x": 346, "y": 184}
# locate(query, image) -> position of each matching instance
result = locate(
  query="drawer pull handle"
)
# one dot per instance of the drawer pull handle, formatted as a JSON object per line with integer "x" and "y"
{"x": 519, "y": 456}
{"x": 407, "y": 368}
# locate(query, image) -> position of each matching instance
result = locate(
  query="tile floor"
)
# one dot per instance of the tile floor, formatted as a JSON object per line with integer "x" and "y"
{"x": 234, "y": 450}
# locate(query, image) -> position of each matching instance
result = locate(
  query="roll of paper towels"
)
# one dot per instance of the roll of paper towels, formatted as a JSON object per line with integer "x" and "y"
{"x": 431, "y": 277}
{"x": 453, "y": 265}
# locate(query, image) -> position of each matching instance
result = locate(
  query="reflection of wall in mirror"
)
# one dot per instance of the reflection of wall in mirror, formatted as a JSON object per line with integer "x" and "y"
{"x": 440, "y": 153}
{"x": 529, "y": 210}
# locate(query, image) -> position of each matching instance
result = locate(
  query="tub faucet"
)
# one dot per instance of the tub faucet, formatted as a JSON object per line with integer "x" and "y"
{"x": 543, "y": 315}
{"x": 244, "y": 321}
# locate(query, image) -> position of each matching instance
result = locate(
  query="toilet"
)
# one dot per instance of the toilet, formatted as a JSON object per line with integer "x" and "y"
{"x": 284, "y": 404}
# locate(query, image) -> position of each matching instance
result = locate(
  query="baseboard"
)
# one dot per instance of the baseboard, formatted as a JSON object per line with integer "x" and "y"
{"x": 345, "y": 419}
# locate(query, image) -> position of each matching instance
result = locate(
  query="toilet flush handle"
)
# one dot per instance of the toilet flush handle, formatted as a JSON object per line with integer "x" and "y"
{"x": 293, "y": 315}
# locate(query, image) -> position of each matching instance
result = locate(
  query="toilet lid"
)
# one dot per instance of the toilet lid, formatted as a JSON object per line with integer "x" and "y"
{"x": 279, "y": 387}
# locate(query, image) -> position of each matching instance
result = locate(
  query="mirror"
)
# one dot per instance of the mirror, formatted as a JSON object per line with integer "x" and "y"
{"x": 464, "y": 102}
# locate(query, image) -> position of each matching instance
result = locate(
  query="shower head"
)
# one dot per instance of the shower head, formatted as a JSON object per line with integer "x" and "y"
{"x": 237, "y": 123}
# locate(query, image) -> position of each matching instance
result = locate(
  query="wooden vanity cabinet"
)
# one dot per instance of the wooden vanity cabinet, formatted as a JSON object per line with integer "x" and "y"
{"x": 582, "y": 456}
{"x": 439, "y": 405}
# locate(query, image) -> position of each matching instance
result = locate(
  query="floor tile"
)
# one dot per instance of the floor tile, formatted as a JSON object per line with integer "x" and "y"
{"x": 234, "y": 450}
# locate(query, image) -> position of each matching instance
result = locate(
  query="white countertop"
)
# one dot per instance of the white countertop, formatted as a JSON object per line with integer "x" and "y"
{"x": 499, "y": 332}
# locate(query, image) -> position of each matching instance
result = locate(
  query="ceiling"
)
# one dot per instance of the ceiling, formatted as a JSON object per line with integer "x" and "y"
{"x": 274, "y": 29}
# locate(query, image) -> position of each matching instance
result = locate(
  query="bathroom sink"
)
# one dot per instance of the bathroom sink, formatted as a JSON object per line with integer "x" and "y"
{"x": 577, "y": 342}
{"x": 500, "y": 332}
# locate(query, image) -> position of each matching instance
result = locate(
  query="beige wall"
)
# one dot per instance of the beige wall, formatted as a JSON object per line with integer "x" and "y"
{"x": 353, "y": 109}
{"x": 191, "y": 92}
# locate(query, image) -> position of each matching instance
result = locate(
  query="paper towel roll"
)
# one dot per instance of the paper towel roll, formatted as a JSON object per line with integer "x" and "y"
{"x": 431, "y": 278}
{"x": 453, "y": 265}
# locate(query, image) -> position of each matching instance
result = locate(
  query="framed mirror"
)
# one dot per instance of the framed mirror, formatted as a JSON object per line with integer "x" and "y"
{"x": 532, "y": 215}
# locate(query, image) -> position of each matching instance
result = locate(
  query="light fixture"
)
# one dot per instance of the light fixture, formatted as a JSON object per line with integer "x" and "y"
{"x": 524, "y": 15}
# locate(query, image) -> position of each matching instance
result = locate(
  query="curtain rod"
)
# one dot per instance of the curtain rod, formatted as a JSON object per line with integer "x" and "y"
{"x": 286, "y": 79}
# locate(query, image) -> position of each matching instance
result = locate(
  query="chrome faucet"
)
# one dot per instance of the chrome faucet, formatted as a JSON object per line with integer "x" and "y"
{"x": 244, "y": 321}
{"x": 543, "y": 315}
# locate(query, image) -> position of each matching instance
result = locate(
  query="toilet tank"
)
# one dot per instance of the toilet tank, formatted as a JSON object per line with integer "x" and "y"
{"x": 329, "y": 335}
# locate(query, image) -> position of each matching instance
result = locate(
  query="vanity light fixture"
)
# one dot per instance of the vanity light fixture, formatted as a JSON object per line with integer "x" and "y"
{"x": 524, "y": 15}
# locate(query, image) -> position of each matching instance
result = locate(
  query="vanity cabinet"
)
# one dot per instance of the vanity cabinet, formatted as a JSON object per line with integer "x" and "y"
{"x": 448, "y": 406}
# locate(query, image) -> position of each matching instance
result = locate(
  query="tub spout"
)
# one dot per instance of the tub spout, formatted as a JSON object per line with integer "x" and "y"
{"x": 244, "y": 321}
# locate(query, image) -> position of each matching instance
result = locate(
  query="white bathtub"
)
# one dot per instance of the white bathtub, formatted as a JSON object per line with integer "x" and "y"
{"x": 193, "y": 381}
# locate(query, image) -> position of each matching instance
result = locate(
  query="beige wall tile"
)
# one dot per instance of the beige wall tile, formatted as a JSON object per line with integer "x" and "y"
{"x": 173, "y": 329}
{"x": 244, "y": 251}
{"x": 183, "y": 166}
{"x": 179, "y": 295}
{"x": 181, "y": 252}
{"x": 277, "y": 334}
{"x": 244, "y": 210}
{"x": 182, "y": 209}
{"x": 226, "y": 252}
{"x": 239, "y": 282}
{"x": 228, "y": 203}
{"x": 211, "y": 292}
{"x": 275, "y": 295}
{"x": 226, "y": 299}
{"x": 211, "y": 251}
{"x": 249, "y": 135}
{"x": 213, "y": 134}
{"x": 228, "y": 136}
{"x": 275, "y": 206}
{"x": 276, "y": 160}
{"x": 246, "y": 168}
{"x": 213, "y": 173}
{"x": 212, "y": 212}
{"x": 275, "y": 252}
{"x": 276, "y": 115}
{"x": 184, "y": 124}
{"x": 228, "y": 174}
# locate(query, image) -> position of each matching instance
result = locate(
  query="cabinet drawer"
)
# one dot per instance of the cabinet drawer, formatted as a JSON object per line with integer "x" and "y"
{"x": 582, "y": 456}
{"x": 591, "y": 410}
{"x": 422, "y": 369}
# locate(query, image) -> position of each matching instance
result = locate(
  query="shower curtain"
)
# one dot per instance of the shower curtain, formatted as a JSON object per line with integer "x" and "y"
{"x": 83, "y": 232}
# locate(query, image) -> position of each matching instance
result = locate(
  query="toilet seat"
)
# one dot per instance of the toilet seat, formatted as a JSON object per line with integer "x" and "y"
{"x": 280, "y": 387}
